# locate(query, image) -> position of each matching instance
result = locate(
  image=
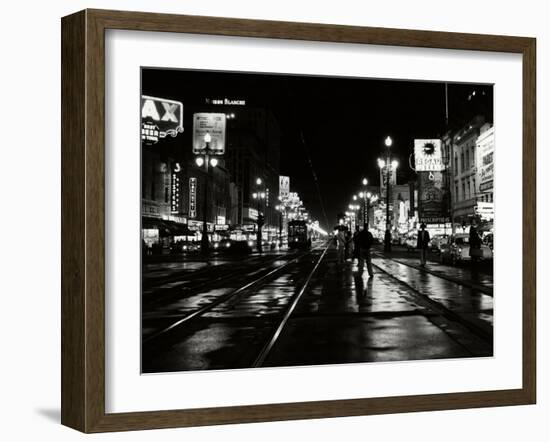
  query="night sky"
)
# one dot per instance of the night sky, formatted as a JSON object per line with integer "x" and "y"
{"x": 334, "y": 128}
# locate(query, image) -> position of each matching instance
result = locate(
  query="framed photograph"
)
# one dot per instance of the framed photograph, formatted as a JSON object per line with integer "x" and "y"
{"x": 266, "y": 221}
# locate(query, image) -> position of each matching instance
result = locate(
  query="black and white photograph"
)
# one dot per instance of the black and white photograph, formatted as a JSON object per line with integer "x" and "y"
{"x": 299, "y": 220}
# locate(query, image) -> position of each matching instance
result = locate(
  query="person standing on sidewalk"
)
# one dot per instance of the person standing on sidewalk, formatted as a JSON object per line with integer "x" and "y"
{"x": 422, "y": 243}
{"x": 475, "y": 244}
{"x": 365, "y": 240}
{"x": 341, "y": 245}
{"x": 356, "y": 244}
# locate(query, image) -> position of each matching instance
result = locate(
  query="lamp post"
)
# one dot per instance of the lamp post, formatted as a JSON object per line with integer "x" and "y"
{"x": 207, "y": 161}
{"x": 364, "y": 196}
{"x": 387, "y": 165}
{"x": 354, "y": 209}
{"x": 258, "y": 196}
{"x": 367, "y": 199}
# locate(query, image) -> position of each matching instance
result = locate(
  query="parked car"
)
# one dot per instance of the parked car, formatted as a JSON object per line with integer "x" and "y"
{"x": 437, "y": 240}
{"x": 456, "y": 249}
{"x": 240, "y": 247}
{"x": 411, "y": 242}
{"x": 488, "y": 240}
{"x": 222, "y": 245}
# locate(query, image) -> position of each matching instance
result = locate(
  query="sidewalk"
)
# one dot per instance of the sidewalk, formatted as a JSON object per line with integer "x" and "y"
{"x": 476, "y": 280}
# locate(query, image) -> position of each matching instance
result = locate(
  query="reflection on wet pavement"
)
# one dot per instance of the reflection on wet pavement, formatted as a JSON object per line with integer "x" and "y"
{"x": 465, "y": 275}
{"x": 344, "y": 316}
{"x": 451, "y": 295}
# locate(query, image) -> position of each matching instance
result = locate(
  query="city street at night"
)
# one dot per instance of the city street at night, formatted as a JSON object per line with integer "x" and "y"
{"x": 303, "y": 308}
{"x": 294, "y": 220}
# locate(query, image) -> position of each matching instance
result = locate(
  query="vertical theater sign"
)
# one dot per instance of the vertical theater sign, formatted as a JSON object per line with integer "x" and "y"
{"x": 284, "y": 186}
{"x": 485, "y": 149}
{"x": 432, "y": 194}
{"x": 160, "y": 117}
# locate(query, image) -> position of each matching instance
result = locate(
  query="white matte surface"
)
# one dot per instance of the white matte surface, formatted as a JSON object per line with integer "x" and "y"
{"x": 127, "y": 390}
{"x": 30, "y": 260}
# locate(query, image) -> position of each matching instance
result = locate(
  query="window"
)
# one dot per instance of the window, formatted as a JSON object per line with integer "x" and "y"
{"x": 462, "y": 162}
{"x": 467, "y": 158}
{"x": 463, "y": 190}
{"x": 456, "y": 168}
{"x": 166, "y": 195}
{"x": 153, "y": 177}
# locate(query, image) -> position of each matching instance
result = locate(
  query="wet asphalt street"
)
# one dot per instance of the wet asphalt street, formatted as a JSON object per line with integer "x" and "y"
{"x": 302, "y": 308}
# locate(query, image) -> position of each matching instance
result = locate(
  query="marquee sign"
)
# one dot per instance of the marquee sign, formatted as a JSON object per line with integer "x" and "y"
{"x": 160, "y": 117}
{"x": 428, "y": 156}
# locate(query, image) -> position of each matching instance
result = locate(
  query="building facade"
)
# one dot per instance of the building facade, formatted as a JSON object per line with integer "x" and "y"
{"x": 463, "y": 180}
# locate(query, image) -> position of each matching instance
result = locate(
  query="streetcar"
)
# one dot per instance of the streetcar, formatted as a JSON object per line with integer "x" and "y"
{"x": 299, "y": 236}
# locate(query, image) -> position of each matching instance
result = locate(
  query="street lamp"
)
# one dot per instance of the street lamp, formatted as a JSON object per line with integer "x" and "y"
{"x": 388, "y": 165}
{"x": 206, "y": 161}
{"x": 364, "y": 196}
{"x": 259, "y": 217}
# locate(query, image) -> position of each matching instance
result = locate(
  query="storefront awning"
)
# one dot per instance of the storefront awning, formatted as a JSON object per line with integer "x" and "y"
{"x": 166, "y": 227}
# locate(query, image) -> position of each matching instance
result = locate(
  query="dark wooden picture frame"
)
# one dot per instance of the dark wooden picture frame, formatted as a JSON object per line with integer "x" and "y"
{"x": 83, "y": 220}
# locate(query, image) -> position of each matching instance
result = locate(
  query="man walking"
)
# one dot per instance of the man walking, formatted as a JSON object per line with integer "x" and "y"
{"x": 422, "y": 243}
{"x": 365, "y": 240}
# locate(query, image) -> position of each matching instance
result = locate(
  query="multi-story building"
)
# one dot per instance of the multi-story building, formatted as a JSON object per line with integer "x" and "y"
{"x": 463, "y": 180}
{"x": 252, "y": 149}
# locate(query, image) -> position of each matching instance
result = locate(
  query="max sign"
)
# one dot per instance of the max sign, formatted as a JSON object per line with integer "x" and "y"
{"x": 160, "y": 117}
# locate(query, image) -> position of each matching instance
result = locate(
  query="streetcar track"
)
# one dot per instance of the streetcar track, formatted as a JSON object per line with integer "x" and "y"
{"x": 224, "y": 298}
{"x": 264, "y": 353}
{"x": 177, "y": 276}
{"x": 168, "y": 293}
{"x": 479, "y": 331}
